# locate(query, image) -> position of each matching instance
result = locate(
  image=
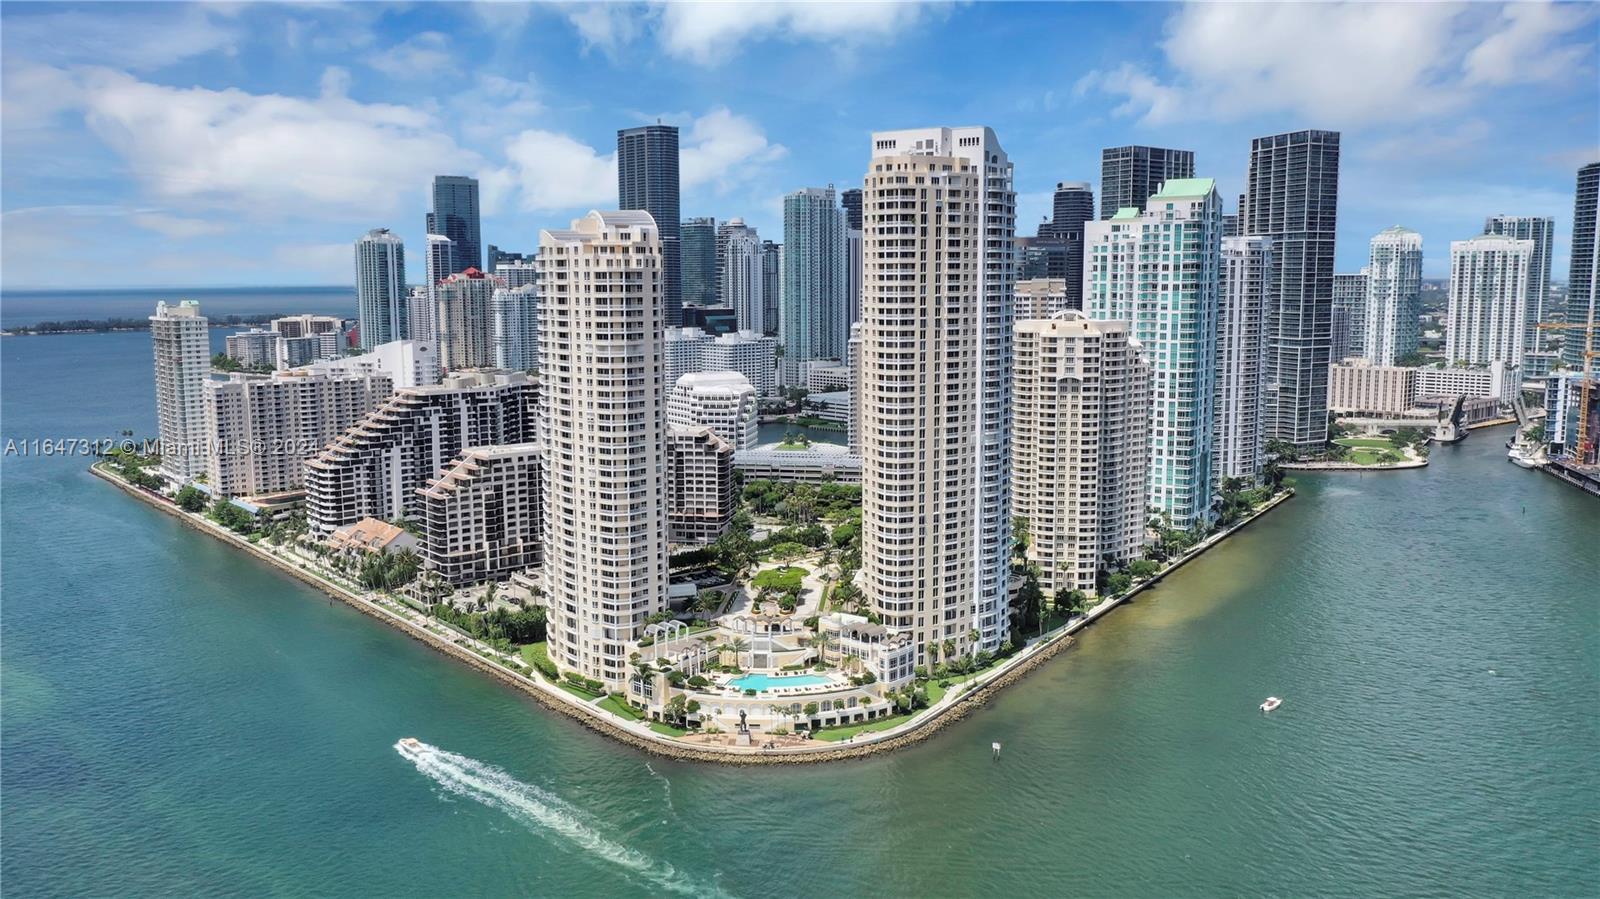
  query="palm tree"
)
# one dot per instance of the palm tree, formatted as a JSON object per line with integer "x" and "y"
{"x": 823, "y": 642}
{"x": 739, "y": 645}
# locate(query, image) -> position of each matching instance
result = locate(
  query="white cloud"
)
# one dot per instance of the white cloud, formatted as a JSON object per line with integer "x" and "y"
{"x": 712, "y": 32}
{"x": 548, "y": 170}
{"x": 555, "y": 171}
{"x": 723, "y": 149}
{"x": 608, "y": 26}
{"x": 420, "y": 56}
{"x": 1526, "y": 45}
{"x": 1341, "y": 64}
{"x": 267, "y": 154}
{"x": 709, "y": 32}
{"x": 134, "y": 37}
{"x": 177, "y": 227}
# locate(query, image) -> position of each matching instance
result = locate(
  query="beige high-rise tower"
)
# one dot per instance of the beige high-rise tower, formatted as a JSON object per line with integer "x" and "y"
{"x": 935, "y": 370}
{"x": 605, "y": 528}
{"x": 1081, "y": 420}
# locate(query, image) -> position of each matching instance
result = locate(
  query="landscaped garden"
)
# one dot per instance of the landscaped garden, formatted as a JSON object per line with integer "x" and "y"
{"x": 1369, "y": 451}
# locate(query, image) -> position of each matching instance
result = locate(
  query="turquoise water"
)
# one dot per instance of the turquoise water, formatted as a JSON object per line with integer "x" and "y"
{"x": 761, "y": 682}
{"x": 180, "y": 720}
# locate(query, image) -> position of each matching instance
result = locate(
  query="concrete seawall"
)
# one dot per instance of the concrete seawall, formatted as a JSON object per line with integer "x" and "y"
{"x": 926, "y": 723}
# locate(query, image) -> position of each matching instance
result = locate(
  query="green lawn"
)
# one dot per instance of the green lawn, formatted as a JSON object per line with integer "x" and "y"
{"x": 835, "y": 734}
{"x": 1374, "y": 457}
{"x": 535, "y": 654}
{"x": 1373, "y": 442}
{"x": 782, "y": 580}
{"x": 618, "y": 707}
{"x": 667, "y": 729}
{"x": 788, "y": 447}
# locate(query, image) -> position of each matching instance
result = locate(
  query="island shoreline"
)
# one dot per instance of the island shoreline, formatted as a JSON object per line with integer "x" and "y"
{"x": 921, "y": 727}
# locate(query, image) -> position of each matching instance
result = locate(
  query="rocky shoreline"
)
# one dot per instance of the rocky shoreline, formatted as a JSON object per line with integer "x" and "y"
{"x": 921, "y": 728}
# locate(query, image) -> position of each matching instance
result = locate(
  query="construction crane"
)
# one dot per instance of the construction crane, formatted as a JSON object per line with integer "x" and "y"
{"x": 1581, "y": 444}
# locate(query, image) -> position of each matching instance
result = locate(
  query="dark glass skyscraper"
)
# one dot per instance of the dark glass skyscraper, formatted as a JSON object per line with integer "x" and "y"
{"x": 1583, "y": 278}
{"x": 699, "y": 240}
{"x": 1129, "y": 175}
{"x": 1073, "y": 205}
{"x": 455, "y": 215}
{"x": 851, "y": 201}
{"x": 1292, "y": 196}
{"x": 771, "y": 285}
{"x": 647, "y": 179}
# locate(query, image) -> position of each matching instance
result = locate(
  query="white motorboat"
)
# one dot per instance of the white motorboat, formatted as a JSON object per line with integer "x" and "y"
{"x": 1522, "y": 458}
{"x": 1271, "y": 703}
{"x": 411, "y": 743}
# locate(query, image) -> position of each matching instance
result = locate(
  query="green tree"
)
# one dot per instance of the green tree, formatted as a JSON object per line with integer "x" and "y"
{"x": 192, "y": 499}
{"x": 1031, "y": 599}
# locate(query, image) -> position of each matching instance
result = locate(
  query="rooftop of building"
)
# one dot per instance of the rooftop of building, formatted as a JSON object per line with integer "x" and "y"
{"x": 705, "y": 380}
{"x": 1183, "y": 188}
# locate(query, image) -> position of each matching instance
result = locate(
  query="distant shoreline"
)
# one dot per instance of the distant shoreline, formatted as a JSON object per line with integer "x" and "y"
{"x": 112, "y": 325}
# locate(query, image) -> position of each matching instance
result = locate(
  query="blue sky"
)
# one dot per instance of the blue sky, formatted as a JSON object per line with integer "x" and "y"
{"x": 195, "y": 145}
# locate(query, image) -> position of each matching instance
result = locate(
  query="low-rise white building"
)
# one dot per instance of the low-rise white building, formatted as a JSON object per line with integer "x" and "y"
{"x": 723, "y": 401}
{"x": 862, "y": 646}
{"x": 1497, "y": 379}
{"x": 255, "y": 347}
{"x": 482, "y": 517}
{"x": 689, "y": 350}
{"x": 408, "y": 363}
{"x": 1358, "y": 387}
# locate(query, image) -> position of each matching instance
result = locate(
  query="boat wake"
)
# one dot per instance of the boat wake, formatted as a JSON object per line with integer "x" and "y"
{"x": 541, "y": 812}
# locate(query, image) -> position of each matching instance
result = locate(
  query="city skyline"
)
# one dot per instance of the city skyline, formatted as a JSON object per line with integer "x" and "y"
{"x": 160, "y": 158}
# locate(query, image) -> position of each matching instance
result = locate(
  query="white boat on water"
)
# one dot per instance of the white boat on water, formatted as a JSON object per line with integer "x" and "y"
{"x": 410, "y": 743}
{"x": 1271, "y": 703}
{"x": 1522, "y": 458}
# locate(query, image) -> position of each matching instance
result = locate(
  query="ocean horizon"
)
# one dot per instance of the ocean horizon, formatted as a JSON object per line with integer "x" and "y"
{"x": 22, "y": 308}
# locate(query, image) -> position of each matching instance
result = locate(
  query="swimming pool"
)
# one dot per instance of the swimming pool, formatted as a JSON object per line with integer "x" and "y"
{"x": 760, "y": 682}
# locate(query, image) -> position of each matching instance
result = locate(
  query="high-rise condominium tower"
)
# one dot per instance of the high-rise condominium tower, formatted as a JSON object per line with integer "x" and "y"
{"x": 1129, "y": 175}
{"x": 772, "y": 285}
{"x": 1487, "y": 316}
{"x": 1079, "y": 459}
{"x": 1160, "y": 270}
{"x": 381, "y": 301}
{"x": 514, "y": 327}
{"x": 647, "y": 179}
{"x": 815, "y": 274}
{"x": 939, "y": 216}
{"x": 455, "y": 215}
{"x": 1072, "y": 206}
{"x": 1542, "y": 231}
{"x": 851, "y": 201}
{"x": 741, "y": 283}
{"x": 605, "y": 568}
{"x": 1292, "y": 196}
{"x": 1394, "y": 295}
{"x": 1348, "y": 321}
{"x": 1242, "y": 305}
{"x": 465, "y": 321}
{"x": 698, "y": 238}
{"x": 182, "y": 345}
{"x": 441, "y": 264}
{"x": 1583, "y": 278}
